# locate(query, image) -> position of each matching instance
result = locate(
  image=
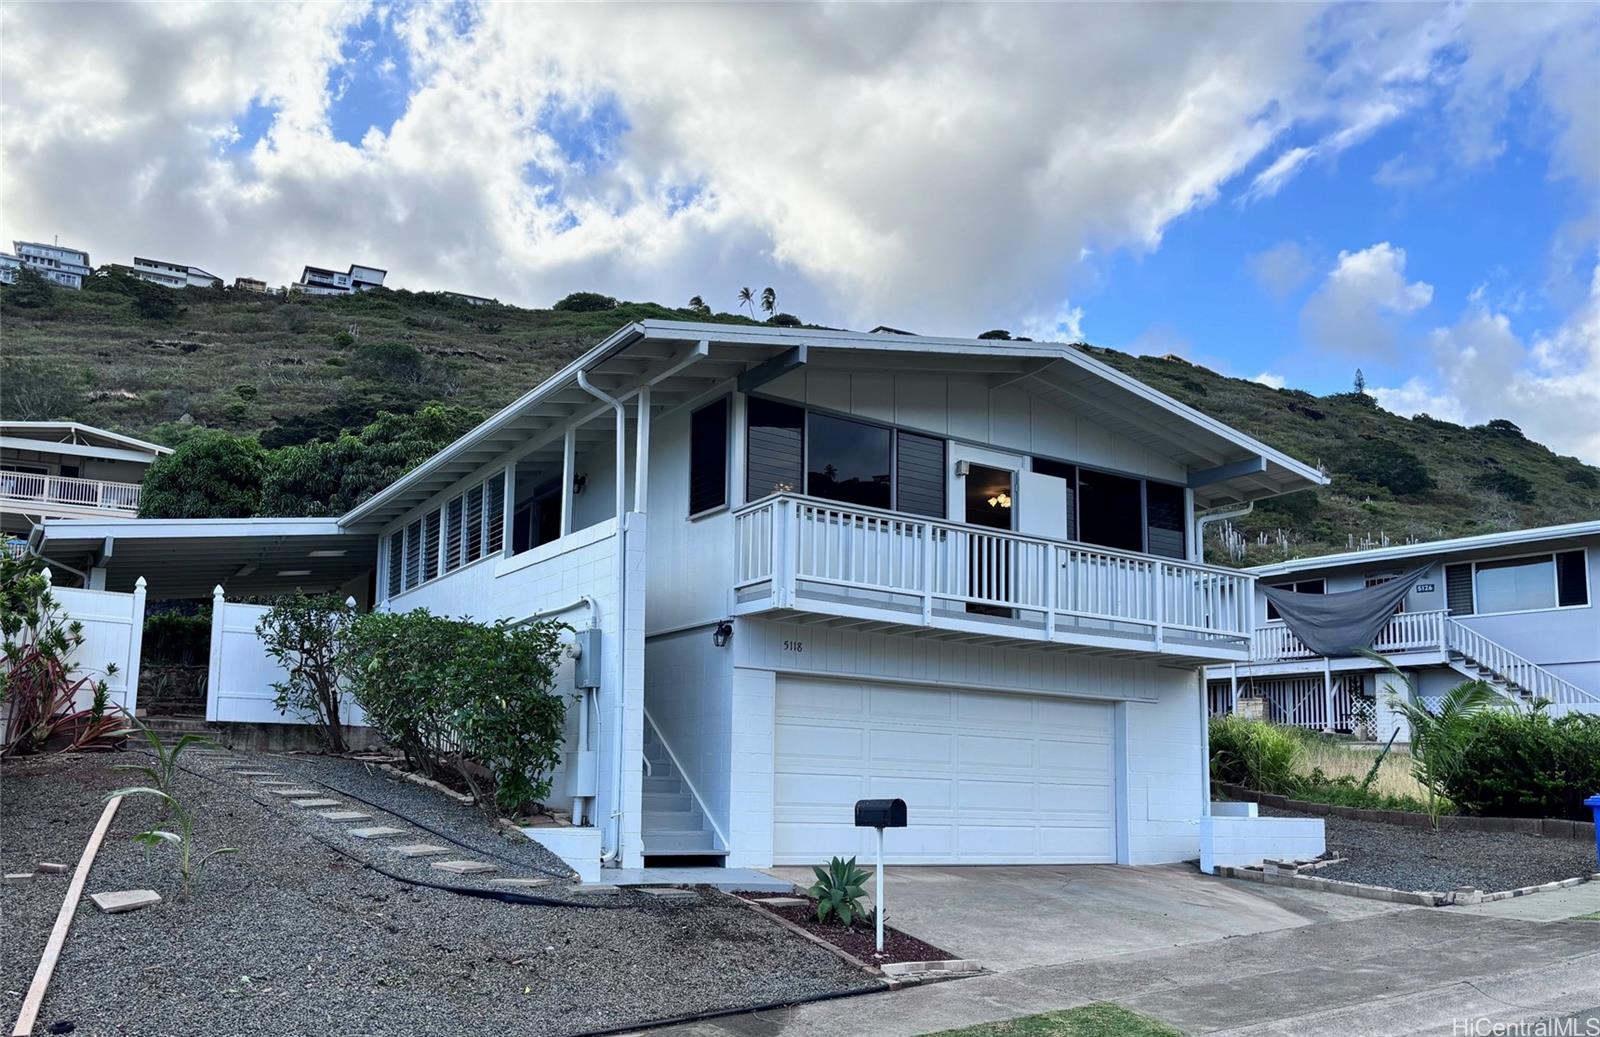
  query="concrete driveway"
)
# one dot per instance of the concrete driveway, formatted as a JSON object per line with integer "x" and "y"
{"x": 1212, "y": 956}
{"x": 1018, "y": 917}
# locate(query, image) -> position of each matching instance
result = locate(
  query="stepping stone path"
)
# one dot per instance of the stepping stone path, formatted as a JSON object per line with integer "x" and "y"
{"x": 596, "y": 889}
{"x": 258, "y": 774}
{"x": 345, "y": 815}
{"x": 50, "y": 868}
{"x": 269, "y": 785}
{"x": 783, "y": 901}
{"x": 291, "y": 793}
{"x": 375, "y": 833}
{"x": 420, "y": 850}
{"x": 465, "y": 867}
{"x": 523, "y": 883}
{"x": 315, "y": 802}
{"x": 125, "y": 900}
{"x": 17, "y": 877}
{"x": 669, "y": 893}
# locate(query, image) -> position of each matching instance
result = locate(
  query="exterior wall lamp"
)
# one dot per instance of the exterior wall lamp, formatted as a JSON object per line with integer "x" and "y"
{"x": 723, "y": 633}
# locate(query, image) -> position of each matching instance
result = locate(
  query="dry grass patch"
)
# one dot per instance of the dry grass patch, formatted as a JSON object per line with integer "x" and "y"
{"x": 1395, "y": 777}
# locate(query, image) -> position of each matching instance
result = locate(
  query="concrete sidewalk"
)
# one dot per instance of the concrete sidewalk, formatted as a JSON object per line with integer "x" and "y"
{"x": 1401, "y": 972}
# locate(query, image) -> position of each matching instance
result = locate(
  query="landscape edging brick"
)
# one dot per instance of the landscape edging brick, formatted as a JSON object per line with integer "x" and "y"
{"x": 1546, "y": 827}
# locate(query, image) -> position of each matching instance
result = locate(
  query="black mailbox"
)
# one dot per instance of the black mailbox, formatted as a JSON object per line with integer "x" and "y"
{"x": 880, "y": 813}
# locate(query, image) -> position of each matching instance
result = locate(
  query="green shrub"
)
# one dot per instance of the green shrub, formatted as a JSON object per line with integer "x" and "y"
{"x": 306, "y": 635}
{"x": 176, "y": 639}
{"x": 1527, "y": 765}
{"x": 1255, "y": 754}
{"x": 469, "y": 697}
{"x": 209, "y": 475}
{"x": 1509, "y": 485}
{"x": 839, "y": 889}
{"x": 1386, "y": 464}
{"x": 586, "y": 302}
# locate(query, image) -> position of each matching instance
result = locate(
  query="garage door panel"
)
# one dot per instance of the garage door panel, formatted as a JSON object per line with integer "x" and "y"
{"x": 987, "y": 777}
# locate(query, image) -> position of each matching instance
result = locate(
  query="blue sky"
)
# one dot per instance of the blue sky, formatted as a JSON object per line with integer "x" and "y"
{"x": 1288, "y": 191}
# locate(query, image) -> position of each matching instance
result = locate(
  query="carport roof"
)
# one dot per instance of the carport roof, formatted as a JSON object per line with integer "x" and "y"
{"x": 187, "y": 558}
{"x": 1226, "y": 466}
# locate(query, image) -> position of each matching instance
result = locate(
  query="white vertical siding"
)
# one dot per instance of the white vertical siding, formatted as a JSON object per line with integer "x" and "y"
{"x": 689, "y": 694}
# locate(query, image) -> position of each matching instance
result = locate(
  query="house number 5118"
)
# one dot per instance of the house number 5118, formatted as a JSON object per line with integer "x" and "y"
{"x": 794, "y": 646}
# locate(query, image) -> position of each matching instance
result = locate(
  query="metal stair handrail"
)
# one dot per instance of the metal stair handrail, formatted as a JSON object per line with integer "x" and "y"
{"x": 1512, "y": 668}
{"x": 688, "y": 783}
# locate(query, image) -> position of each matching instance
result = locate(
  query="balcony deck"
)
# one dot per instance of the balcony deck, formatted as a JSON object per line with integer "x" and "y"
{"x": 813, "y": 561}
{"x": 67, "y": 497}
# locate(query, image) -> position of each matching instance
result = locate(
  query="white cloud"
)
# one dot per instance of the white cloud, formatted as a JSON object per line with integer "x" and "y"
{"x": 936, "y": 167}
{"x": 1356, "y": 310}
{"x": 1549, "y": 384}
{"x": 1270, "y": 380}
{"x": 1065, "y": 324}
{"x": 1282, "y": 269}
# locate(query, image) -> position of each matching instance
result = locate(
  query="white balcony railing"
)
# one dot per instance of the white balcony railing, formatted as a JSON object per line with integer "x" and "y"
{"x": 1405, "y": 632}
{"x": 62, "y": 489}
{"x": 970, "y": 577}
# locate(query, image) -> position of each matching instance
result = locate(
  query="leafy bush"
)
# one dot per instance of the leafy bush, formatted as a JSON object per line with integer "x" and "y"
{"x": 1527, "y": 765}
{"x": 31, "y": 291}
{"x": 1440, "y": 739}
{"x": 306, "y": 635}
{"x": 1386, "y": 464}
{"x": 37, "y": 689}
{"x": 1509, "y": 485}
{"x": 390, "y": 361}
{"x": 209, "y": 475}
{"x": 1255, "y": 754}
{"x": 176, "y": 639}
{"x": 839, "y": 890}
{"x": 473, "y": 698}
{"x": 586, "y": 302}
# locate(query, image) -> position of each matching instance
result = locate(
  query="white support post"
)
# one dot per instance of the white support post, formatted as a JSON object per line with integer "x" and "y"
{"x": 1159, "y": 571}
{"x": 569, "y": 466}
{"x": 1327, "y": 694}
{"x": 641, "y": 452}
{"x": 130, "y": 697}
{"x": 1233, "y": 688}
{"x": 1052, "y": 572}
{"x": 784, "y": 548}
{"x": 929, "y": 568}
{"x": 214, "y": 667}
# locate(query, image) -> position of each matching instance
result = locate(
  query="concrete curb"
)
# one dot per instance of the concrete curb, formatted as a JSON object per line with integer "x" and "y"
{"x": 459, "y": 797}
{"x": 837, "y": 952}
{"x": 952, "y": 967}
{"x": 1273, "y": 873}
{"x": 1548, "y": 827}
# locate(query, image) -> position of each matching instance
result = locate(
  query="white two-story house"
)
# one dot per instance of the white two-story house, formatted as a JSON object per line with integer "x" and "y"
{"x": 61, "y": 469}
{"x": 1515, "y": 608}
{"x": 964, "y": 573}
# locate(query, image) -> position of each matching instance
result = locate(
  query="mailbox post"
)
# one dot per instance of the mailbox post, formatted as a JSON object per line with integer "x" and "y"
{"x": 880, "y": 814}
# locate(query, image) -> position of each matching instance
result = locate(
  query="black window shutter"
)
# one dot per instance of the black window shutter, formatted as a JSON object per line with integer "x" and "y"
{"x": 919, "y": 475}
{"x": 1164, "y": 519}
{"x": 776, "y": 449}
{"x": 1572, "y": 584}
{"x": 1458, "y": 589}
{"x": 708, "y": 457}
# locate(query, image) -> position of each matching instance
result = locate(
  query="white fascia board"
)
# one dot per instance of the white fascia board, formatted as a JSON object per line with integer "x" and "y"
{"x": 202, "y": 529}
{"x": 1486, "y": 541}
{"x": 107, "y": 453}
{"x": 87, "y": 430}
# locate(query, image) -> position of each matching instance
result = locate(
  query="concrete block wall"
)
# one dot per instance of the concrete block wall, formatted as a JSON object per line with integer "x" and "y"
{"x": 1242, "y": 841}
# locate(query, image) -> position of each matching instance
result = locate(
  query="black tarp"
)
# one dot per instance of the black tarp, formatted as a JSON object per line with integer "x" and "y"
{"x": 1339, "y": 625}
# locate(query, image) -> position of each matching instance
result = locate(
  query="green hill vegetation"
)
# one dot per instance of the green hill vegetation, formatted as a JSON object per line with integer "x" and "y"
{"x": 305, "y": 379}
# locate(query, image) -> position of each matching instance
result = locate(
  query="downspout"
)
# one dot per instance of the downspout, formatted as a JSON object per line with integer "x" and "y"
{"x": 1209, "y": 517}
{"x": 618, "y": 641}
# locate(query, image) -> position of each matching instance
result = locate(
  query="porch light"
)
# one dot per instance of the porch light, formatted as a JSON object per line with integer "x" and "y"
{"x": 722, "y": 634}
{"x": 1000, "y": 500}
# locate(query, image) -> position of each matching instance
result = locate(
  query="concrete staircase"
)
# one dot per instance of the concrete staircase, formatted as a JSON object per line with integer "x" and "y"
{"x": 1476, "y": 657}
{"x": 673, "y": 825}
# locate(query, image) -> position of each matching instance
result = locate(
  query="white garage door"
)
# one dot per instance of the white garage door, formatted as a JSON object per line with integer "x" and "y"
{"x": 988, "y": 778}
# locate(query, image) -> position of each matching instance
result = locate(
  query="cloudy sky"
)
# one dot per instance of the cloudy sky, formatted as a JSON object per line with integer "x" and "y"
{"x": 1286, "y": 192}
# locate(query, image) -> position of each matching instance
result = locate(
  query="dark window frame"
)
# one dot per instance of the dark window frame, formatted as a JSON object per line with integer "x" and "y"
{"x": 725, "y": 401}
{"x": 1293, "y": 585}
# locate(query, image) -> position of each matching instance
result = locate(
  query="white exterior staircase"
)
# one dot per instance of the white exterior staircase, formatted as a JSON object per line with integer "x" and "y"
{"x": 673, "y": 824}
{"x": 1478, "y": 658}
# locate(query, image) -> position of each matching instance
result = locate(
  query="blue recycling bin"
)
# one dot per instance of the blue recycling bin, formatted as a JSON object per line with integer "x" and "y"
{"x": 1593, "y": 803}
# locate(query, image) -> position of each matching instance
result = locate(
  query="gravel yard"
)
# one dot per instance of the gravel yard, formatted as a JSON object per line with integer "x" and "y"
{"x": 1402, "y": 857}
{"x": 290, "y": 937}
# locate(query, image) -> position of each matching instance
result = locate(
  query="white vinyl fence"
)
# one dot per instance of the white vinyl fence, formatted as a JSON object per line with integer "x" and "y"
{"x": 241, "y": 674}
{"x": 113, "y": 634}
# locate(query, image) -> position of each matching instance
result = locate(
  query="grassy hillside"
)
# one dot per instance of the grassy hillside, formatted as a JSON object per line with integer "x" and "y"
{"x": 293, "y": 370}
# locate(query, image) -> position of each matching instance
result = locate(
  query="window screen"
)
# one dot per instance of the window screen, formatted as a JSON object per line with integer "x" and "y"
{"x": 848, "y": 461}
{"x": 1110, "y": 510}
{"x": 708, "y": 457}
{"x": 776, "y": 448}
{"x": 1572, "y": 584}
{"x": 1164, "y": 519}
{"x": 1458, "y": 589}
{"x": 920, "y": 475}
{"x": 397, "y": 547}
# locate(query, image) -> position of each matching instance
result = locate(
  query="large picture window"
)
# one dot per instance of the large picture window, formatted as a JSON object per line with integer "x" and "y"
{"x": 776, "y": 448}
{"x": 849, "y": 461}
{"x": 1528, "y": 584}
{"x": 1110, "y": 510}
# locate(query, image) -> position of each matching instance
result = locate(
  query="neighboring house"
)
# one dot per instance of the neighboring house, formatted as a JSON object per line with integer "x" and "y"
{"x": 1516, "y": 609}
{"x": 172, "y": 275}
{"x": 10, "y": 266}
{"x": 315, "y": 280}
{"x": 249, "y": 284}
{"x": 61, "y": 469}
{"x": 475, "y": 300}
{"x": 963, "y": 573}
{"x": 64, "y": 266}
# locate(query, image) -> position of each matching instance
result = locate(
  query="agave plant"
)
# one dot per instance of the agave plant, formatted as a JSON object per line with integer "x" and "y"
{"x": 839, "y": 890}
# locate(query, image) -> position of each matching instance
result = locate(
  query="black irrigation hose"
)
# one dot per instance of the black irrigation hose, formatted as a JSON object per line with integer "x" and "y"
{"x": 465, "y": 891}
{"x": 723, "y": 1013}
{"x": 565, "y": 876}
